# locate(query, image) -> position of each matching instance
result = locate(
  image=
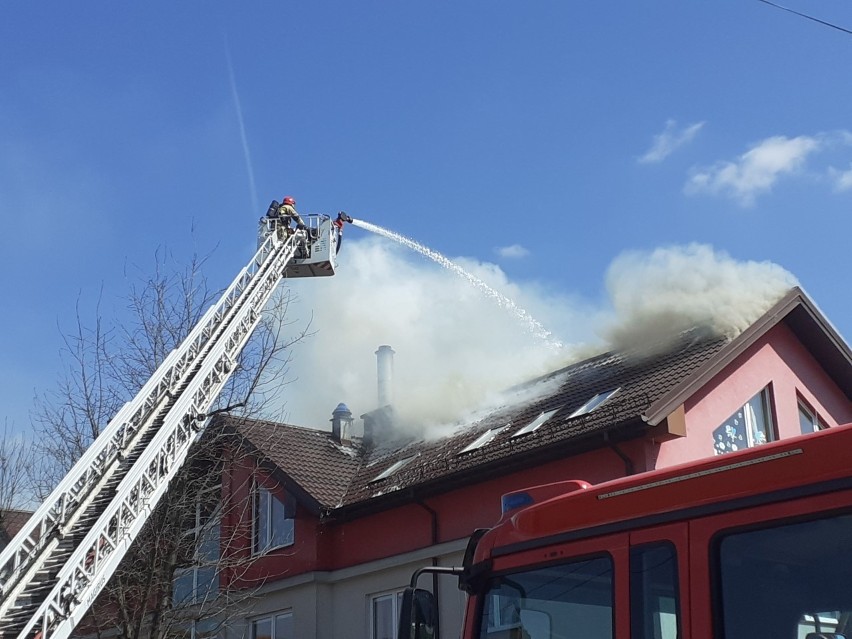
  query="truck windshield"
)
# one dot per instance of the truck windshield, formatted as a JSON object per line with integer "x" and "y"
{"x": 548, "y": 601}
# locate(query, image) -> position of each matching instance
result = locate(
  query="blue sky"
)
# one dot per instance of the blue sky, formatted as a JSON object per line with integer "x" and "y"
{"x": 544, "y": 145}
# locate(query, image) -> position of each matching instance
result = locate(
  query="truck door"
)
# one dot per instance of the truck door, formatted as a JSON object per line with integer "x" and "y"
{"x": 778, "y": 570}
{"x": 659, "y": 574}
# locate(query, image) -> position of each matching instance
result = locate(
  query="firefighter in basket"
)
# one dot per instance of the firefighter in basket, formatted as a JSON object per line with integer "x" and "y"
{"x": 285, "y": 214}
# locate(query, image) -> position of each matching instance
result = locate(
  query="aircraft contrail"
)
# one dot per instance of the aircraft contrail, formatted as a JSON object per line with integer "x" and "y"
{"x": 246, "y": 153}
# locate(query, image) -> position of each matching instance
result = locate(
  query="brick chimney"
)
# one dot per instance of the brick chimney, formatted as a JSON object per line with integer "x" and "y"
{"x": 378, "y": 427}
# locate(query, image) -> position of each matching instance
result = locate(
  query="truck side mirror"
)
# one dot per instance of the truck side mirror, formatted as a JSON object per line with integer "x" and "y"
{"x": 418, "y": 617}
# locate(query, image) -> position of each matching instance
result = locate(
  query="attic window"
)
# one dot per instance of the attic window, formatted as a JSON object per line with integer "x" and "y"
{"x": 390, "y": 470}
{"x": 537, "y": 422}
{"x": 593, "y": 403}
{"x": 483, "y": 439}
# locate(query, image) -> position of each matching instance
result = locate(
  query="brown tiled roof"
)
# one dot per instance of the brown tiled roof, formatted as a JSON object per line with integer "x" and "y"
{"x": 321, "y": 468}
{"x": 639, "y": 382}
{"x": 345, "y": 478}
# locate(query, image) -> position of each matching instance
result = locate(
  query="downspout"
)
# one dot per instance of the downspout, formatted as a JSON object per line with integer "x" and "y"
{"x": 629, "y": 468}
{"x": 433, "y": 516}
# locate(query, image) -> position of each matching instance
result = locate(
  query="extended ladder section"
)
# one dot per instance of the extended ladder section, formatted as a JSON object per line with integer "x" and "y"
{"x": 52, "y": 571}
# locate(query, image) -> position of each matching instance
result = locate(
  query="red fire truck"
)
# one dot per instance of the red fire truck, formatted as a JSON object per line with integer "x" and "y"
{"x": 751, "y": 544}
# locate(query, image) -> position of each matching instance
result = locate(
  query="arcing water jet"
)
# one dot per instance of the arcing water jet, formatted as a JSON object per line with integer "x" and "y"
{"x": 532, "y": 325}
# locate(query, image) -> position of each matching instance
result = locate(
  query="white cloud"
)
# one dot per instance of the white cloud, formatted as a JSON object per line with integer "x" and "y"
{"x": 842, "y": 179}
{"x": 757, "y": 170}
{"x": 515, "y": 251}
{"x": 669, "y": 141}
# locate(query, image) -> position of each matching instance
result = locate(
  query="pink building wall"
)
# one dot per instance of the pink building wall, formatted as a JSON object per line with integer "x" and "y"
{"x": 777, "y": 360}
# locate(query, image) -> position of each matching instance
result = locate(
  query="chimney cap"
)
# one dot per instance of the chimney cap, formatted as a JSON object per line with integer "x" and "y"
{"x": 341, "y": 409}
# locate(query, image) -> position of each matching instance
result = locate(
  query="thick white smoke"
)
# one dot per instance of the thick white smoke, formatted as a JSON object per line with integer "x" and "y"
{"x": 656, "y": 294}
{"x": 457, "y": 351}
{"x": 454, "y": 346}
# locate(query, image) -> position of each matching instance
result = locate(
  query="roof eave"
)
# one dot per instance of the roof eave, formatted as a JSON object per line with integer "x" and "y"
{"x": 604, "y": 437}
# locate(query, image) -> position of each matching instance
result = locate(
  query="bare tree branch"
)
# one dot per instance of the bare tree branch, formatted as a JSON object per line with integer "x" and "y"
{"x": 14, "y": 495}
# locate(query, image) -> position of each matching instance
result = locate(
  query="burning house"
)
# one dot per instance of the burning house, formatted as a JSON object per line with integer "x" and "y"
{"x": 334, "y": 524}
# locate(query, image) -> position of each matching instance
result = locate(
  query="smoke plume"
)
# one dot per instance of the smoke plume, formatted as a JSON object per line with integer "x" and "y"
{"x": 657, "y": 294}
{"x": 457, "y": 351}
{"x": 455, "y": 347}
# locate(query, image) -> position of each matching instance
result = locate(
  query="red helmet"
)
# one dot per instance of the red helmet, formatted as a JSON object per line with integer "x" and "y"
{"x": 289, "y": 200}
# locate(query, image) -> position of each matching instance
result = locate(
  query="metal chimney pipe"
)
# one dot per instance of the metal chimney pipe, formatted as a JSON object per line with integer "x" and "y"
{"x": 384, "y": 363}
{"x": 341, "y": 423}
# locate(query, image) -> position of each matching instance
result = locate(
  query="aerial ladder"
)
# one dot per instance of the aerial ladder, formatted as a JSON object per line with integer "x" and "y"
{"x": 54, "y": 569}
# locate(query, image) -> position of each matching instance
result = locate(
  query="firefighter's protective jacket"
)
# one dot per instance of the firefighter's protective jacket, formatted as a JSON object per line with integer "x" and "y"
{"x": 287, "y": 213}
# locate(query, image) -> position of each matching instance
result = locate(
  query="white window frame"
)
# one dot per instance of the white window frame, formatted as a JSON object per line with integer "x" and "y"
{"x": 751, "y": 419}
{"x": 816, "y": 422}
{"x": 752, "y": 435}
{"x": 395, "y": 597}
{"x": 198, "y": 531}
{"x": 265, "y": 547}
{"x": 273, "y": 619}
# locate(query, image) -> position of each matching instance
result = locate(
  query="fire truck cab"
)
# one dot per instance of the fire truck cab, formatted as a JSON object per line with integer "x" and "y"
{"x": 756, "y": 543}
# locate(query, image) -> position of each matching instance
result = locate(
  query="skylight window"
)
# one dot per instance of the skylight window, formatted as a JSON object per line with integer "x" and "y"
{"x": 537, "y": 422}
{"x": 593, "y": 403}
{"x": 390, "y": 470}
{"x": 483, "y": 439}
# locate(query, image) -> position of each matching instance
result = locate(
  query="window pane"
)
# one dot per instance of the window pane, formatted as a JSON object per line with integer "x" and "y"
{"x": 384, "y": 626}
{"x": 787, "y": 580}
{"x": 809, "y": 421}
{"x": 750, "y": 426}
{"x": 284, "y": 626}
{"x": 208, "y": 545}
{"x": 183, "y": 586}
{"x": 274, "y": 523}
{"x": 536, "y": 423}
{"x": 261, "y": 629}
{"x": 806, "y": 420}
{"x": 568, "y": 600}
{"x": 207, "y": 583}
{"x": 207, "y": 628}
{"x": 654, "y": 607}
{"x": 482, "y": 440}
{"x": 208, "y": 502}
{"x": 593, "y": 403}
{"x": 282, "y": 524}
{"x": 757, "y": 419}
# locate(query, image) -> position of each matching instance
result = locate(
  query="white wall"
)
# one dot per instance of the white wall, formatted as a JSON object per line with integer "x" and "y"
{"x": 336, "y": 605}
